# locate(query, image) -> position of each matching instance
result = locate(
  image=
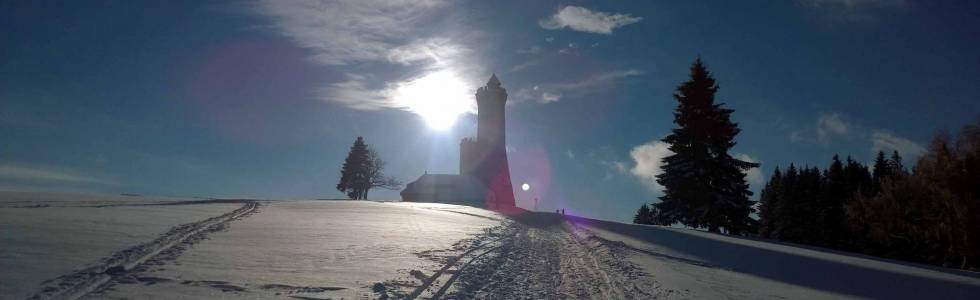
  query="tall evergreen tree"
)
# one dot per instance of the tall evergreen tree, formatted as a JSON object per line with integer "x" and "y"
{"x": 785, "y": 221}
{"x": 704, "y": 185}
{"x": 363, "y": 170}
{"x": 642, "y": 215}
{"x": 354, "y": 170}
{"x": 881, "y": 170}
{"x": 898, "y": 168}
{"x": 834, "y": 193}
{"x": 768, "y": 201}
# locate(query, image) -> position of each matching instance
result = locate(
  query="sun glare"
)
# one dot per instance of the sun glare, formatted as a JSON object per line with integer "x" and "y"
{"x": 525, "y": 186}
{"x": 438, "y": 97}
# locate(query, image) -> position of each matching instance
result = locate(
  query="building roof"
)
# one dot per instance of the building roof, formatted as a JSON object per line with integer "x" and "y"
{"x": 451, "y": 185}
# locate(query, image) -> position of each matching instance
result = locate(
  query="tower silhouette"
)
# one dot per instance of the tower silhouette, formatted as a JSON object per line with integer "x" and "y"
{"x": 491, "y": 136}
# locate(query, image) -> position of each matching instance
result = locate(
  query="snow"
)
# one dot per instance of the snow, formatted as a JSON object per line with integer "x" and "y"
{"x": 330, "y": 249}
{"x": 362, "y": 249}
{"x": 45, "y": 235}
{"x": 700, "y": 264}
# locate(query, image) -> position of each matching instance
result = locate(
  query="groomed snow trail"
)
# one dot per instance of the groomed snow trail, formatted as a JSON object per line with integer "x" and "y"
{"x": 535, "y": 256}
{"x": 82, "y": 282}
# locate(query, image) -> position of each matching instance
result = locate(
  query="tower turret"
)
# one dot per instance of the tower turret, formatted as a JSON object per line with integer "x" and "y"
{"x": 490, "y": 101}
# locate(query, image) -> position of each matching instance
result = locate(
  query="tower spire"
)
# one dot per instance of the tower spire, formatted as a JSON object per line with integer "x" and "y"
{"x": 493, "y": 82}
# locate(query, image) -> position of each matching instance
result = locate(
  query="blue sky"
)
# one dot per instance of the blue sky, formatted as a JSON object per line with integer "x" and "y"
{"x": 263, "y": 99}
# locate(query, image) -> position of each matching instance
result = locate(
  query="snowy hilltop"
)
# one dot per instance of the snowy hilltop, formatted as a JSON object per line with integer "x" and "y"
{"x": 114, "y": 248}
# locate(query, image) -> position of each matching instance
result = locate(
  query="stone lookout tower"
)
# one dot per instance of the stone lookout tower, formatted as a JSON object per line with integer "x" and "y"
{"x": 484, "y": 175}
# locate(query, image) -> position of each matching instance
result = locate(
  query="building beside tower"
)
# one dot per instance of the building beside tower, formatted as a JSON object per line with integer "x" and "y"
{"x": 484, "y": 175}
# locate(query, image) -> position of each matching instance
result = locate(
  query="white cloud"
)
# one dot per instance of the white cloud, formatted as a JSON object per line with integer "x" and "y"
{"x": 853, "y": 4}
{"x": 523, "y": 66}
{"x": 549, "y": 39}
{"x": 532, "y": 50}
{"x": 855, "y": 10}
{"x": 598, "y": 79}
{"x": 435, "y": 50}
{"x": 39, "y": 173}
{"x": 548, "y": 93}
{"x": 585, "y": 20}
{"x": 547, "y": 97}
{"x": 882, "y": 140}
{"x": 570, "y": 154}
{"x": 648, "y": 158}
{"x": 829, "y": 125}
{"x": 754, "y": 175}
{"x": 355, "y": 93}
{"x": 396, "y": 33}
{"x": 341, "y": 32}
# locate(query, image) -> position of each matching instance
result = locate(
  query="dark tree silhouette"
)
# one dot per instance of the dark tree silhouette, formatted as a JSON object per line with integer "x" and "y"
{"x": 768, "y": 202}
{"x": 880, "y": 170}
{"x": 831, "y": 217}
{"x": 375, "y": 177}
{"x": 704, "y": 185}
{"x": 930, "y": 214}
{"x": 642, "y": 215}
{"x": 363, "y": 170}
{"x": 353, "y": 170}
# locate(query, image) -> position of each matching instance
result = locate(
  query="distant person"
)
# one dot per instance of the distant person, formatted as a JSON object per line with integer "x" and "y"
{"x": 563, "y": 211}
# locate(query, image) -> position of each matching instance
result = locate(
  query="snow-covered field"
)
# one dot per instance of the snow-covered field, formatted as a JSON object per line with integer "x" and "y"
{"x": 43, "y": 236}
{"x": 361, "y": 249}
{"x": 322, "y": 249}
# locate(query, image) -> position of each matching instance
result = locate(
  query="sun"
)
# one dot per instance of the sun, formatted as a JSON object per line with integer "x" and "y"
{"x": 438, "y": 97}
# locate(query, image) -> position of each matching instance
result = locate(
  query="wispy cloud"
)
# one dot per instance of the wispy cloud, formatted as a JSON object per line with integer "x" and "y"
{"x": 585, "y": 20}
{"x": 829, "y": 125}
{"x": 883, "y": 140}
{"x": 400, "y": 36}
{"x": 438, "y": 51}
{"x": 531, "y": 50}
{"x": 524, "y": 65}
{"x": 547, "y": 93}
{"x": 598, "y": 79}
{"x": 48, "y": 174}
{"x": 854, "y": 4}
{"x": 341, "y": 32}
{"x": 854, "y": 10}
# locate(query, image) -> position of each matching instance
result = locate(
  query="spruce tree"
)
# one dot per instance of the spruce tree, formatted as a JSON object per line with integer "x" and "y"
{"x": 881, "y": 170}
{"x": 785, "y": 220}
{"x": 898, "y": 169}
{"x": 832, "y": 197}
{"x": 353, "y": 173}
{"x": 642, "y": 215}
{"x": 768, "y": 201}
{"x": 704, "y": 186}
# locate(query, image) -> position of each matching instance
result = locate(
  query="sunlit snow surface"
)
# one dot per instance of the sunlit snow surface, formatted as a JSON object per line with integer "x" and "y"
{"x": 363, "y": 250}
{"x": 335, "y": 249}
{"x": 43, "y": 236}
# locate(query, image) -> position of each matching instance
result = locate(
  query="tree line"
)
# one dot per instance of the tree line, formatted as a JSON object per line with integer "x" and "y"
{"x": 363, "y": 170}
{"x": 928, "y": 214}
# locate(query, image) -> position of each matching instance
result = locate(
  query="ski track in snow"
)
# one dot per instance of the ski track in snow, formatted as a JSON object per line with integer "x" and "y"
{"x": 134, "y": 259}
{"x": 534, "y": 256}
